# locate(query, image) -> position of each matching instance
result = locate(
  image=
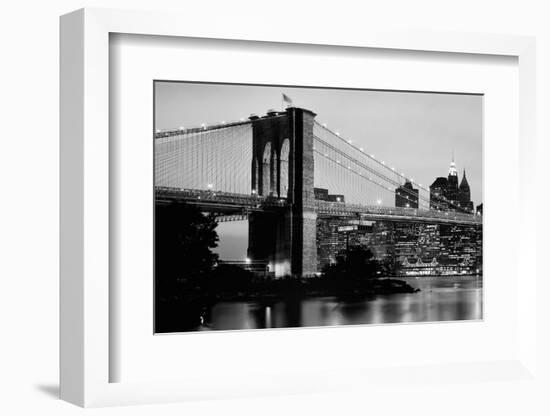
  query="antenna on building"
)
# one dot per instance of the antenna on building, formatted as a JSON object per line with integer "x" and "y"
{"x": 452, "y": 168}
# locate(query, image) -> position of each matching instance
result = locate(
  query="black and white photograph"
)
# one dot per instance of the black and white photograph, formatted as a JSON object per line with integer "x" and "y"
{"x": 281, "y": 206}
{"x": 275, "y": 208}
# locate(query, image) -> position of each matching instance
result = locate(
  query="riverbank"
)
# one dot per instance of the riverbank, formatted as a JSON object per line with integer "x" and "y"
{"x": 187, "y": 308}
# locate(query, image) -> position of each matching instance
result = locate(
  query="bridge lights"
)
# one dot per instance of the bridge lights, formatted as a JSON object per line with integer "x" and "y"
{"x": 247, "y": 260}
{"x": 379, "y": 201}
{"x": 325, "y": 125}
{"x": 337, "y": 133}
{"x": 203, "y": 126}
{"x": 361, "y": 149}
{"x": 210, "y": 186}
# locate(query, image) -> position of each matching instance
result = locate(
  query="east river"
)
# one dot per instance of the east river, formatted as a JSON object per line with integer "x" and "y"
{"x": 445, "y": 298}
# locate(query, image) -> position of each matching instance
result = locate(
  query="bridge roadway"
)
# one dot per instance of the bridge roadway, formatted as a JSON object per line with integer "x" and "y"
{"x": 238, "y": 204}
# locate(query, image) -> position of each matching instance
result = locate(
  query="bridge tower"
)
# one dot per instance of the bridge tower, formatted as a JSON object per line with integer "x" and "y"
{"x": 282, "y": 167}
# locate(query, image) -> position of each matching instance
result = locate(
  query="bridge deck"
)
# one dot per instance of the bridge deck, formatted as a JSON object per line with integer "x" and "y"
{"x": 369, "y": 212}
{"x": 221, "y": 202}
{"x": 229, "y": 203}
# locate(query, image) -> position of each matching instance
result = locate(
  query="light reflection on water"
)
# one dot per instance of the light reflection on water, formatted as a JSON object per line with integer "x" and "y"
{"x": 440, "y": 299}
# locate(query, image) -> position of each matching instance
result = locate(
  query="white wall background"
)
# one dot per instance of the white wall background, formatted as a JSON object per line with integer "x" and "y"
{"x": 29, "y": 204}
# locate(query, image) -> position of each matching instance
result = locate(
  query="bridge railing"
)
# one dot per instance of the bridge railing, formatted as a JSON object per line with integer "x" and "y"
{"x": 445, "y": 216}
{"x": 218, "y": 197}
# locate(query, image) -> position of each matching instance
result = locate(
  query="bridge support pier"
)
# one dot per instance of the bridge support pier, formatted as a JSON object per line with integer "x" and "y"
{"x": 289, "y": 241}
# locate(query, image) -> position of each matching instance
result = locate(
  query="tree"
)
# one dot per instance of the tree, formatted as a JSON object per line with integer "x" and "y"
{"x": 355, "y": 263}
{"x": 184, "y": 239}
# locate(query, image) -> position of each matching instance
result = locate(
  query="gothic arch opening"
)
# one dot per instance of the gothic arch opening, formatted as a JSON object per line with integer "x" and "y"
{"x": 255, "y": 176}
{"x": 267, "y": 188}
{"x": 284, "y": 177}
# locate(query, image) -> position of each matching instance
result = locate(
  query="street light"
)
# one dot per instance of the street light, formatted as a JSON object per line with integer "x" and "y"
{"x": 209, "y": 186}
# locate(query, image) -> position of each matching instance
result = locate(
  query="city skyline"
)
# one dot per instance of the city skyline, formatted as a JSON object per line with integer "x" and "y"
{"x": 402, "y": 128}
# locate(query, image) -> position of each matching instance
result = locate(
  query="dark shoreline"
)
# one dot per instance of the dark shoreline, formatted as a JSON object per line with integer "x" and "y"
{"x": 184, "y": 312}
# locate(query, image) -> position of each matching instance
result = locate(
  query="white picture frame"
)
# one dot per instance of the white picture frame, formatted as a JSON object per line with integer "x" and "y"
{"x": 85, "y": 211}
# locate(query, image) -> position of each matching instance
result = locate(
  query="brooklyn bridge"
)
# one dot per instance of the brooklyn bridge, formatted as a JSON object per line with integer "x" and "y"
{"x": 305, "y": 190}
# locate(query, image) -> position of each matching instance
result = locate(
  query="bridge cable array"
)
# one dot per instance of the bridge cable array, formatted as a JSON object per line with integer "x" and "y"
{"x": 340, "y": 146}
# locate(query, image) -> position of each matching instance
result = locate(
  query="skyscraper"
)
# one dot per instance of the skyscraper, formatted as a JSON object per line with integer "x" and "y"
{"x": 406, "y": 196}
{"x": 452, "y": 186}
{"x": 438, "y": 194}
{"x": 446, "y": 194}
{"x": 464, "y": 194}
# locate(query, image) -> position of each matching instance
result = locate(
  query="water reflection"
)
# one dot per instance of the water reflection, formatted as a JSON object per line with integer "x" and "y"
{"x": 440, "y": 299}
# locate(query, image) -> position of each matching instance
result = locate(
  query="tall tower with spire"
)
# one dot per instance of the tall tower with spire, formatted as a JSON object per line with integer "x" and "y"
{"x": 452, "y": 182}
{"x": 452, "y": 167}
{"x": 464, "y": 197}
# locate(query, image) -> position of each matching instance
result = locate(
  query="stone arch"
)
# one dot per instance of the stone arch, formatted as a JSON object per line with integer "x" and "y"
{"x": 255, "y": 176}
{"x": 284, "y": 176}
{"x": 267, "y": 188}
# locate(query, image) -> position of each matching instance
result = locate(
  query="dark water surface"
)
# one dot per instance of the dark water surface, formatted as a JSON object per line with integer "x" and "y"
{"x": 440, "y": 299}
